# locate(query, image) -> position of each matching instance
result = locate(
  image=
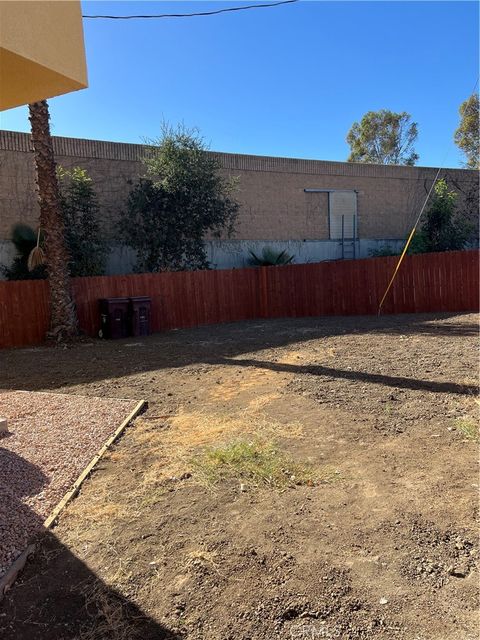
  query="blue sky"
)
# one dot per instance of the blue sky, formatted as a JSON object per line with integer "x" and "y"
{"x": 285, "y": 81}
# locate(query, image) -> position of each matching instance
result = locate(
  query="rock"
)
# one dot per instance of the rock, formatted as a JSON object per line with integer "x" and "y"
{"x": 459, "y": 571}
{"x": 3, "y": 426}
{"x": 383, "y": 601}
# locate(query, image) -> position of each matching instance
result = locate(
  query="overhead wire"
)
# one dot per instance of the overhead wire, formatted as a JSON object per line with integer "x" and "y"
{"x": 267, "y": 6}
{"x": 214, "y": 12}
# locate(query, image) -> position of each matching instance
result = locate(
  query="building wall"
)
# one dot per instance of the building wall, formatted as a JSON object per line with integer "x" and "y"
{"x": 274, "y": 205}
{"x": 41, "y": 51}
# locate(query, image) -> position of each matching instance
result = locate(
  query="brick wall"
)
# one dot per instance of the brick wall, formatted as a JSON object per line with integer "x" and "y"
{"x": 274, "y": 203}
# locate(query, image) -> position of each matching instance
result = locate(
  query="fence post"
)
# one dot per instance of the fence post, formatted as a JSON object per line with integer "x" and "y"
{"x": 263, "y": 292}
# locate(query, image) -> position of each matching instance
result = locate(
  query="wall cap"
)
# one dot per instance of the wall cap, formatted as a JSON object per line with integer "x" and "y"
{"x": 123, "y": 151}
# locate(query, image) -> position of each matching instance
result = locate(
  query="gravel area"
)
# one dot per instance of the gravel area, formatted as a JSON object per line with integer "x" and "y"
{"x": 51, "y": 439}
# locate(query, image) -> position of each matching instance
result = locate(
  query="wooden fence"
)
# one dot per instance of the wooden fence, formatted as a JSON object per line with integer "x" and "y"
{"x": 428, "y": 282}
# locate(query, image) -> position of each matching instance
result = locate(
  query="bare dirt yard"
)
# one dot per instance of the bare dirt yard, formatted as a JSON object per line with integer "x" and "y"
{"x": 308, "y": 478}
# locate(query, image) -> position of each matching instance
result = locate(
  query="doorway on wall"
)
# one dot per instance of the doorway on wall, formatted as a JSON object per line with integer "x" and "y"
{"x": 342, "y": 220}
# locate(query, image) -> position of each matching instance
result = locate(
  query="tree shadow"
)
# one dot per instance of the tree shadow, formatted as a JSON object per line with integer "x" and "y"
{"x": 57, "y": 596}
{"x": 92, "y": 361}
{"x": 389, "y": 381}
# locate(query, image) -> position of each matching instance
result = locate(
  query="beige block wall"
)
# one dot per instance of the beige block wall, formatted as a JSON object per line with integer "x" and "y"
{"x": 274, "y": 205}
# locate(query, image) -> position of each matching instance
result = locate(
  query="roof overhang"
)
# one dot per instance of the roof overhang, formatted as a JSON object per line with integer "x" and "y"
{"x": 42, "y": 54}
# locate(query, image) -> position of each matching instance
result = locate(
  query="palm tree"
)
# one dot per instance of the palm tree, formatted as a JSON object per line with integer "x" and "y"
{"x": 63, "y": 319}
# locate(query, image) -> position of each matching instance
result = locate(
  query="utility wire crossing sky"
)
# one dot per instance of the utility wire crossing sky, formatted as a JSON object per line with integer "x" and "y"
{"x": 288, "y": 81}
{"x": 194, "y": 15}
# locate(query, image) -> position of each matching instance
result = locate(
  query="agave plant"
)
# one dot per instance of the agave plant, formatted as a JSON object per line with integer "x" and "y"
{"x": 270, "y": 258}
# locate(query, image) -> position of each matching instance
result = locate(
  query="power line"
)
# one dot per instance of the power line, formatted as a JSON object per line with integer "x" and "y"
{"x": 192, "y": 15}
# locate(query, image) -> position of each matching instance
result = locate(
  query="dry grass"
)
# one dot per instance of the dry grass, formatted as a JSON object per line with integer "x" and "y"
{"x": 97, "y": 513}
{"x": 107, "y": 615}
{"x": 172, "y": 446}
{"x": 201, "y": 557}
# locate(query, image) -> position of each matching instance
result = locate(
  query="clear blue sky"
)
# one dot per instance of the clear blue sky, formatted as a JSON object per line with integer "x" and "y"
{"x": 285, "y": 81}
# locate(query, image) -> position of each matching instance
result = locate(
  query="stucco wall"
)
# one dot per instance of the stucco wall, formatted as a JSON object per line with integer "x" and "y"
{"x": 41, "y": 51}
{"x": 275, "y": 206}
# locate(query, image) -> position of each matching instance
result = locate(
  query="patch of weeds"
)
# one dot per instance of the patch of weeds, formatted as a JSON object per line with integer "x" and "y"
{"x": 388, "y": 408}
{"x": 107, "y": 615}
{"x": 469, "y": 428}
{"x": 254, "y": 462}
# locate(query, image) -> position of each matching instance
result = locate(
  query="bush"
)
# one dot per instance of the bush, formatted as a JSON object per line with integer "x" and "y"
{"x": 443, "y": 229}
{"x": 270, "y": 258}
{"x": 383, "y": 252}
{"x": 81, "y": 214}
{"x": 181, "y": 198}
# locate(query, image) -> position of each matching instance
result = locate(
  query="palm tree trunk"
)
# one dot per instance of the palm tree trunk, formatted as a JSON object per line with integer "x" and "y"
{"x": 63, "y": 320}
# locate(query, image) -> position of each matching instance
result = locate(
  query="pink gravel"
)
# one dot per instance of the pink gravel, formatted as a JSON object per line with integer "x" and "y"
{"x": 52, "y": 437}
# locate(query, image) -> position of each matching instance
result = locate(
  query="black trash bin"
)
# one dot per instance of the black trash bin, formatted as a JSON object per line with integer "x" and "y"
{"x": 140, "y": 308}
{"x": 114, "y": 313}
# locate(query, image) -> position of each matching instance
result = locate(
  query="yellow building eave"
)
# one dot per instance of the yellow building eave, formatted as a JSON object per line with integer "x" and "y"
{"x": 42, "y": 53}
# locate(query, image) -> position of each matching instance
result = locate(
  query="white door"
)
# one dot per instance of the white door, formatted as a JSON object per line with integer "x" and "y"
{"x": 342, "y": 206}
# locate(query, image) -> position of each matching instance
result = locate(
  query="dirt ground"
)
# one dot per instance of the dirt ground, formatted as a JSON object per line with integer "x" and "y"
{"x": 381, "y": 544}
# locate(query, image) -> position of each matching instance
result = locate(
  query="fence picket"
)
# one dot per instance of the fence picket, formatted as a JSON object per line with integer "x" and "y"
{"x": 429, "y": 282}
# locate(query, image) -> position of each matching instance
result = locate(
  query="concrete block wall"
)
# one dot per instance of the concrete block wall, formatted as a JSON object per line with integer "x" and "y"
{"x": 274, "y": 204}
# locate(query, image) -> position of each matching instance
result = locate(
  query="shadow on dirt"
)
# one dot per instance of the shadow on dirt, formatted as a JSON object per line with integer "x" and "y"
{"x": 57, "y": 597}
{"x": 92, "y": 361}
{"x": 362, "y": 376}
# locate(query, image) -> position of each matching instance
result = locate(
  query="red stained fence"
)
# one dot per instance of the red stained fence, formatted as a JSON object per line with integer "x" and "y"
{"x": 428, "y": 282}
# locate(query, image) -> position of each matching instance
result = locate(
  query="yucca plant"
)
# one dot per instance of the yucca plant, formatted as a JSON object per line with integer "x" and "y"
{"x": 270, "y": 258}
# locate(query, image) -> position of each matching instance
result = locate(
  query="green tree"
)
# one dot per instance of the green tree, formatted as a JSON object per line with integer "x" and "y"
{"x": 180, "y": 199}
{"x": 468, "y": 133}
{"x": 383, "y": 137}
{"x": 81, "y": 216}
{"x": 442, "y": 229}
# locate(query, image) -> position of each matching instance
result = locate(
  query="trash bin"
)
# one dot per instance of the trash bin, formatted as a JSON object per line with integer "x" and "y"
{"x": 113, "y": 318}
{"x": 140, "y": 307}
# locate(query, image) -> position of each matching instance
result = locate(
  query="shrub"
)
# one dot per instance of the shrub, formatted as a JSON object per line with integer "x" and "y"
{"x": 383, "y": 252}
{"x": 81, "y": 214}
{"x": 270, "y": 258}
{"x": 442, "y": 229}
{"x": 180, "y": 199}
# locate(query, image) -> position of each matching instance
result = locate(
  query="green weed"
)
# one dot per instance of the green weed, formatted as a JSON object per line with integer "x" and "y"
{"x": 255, "y": 463}
{"x": 469, "y": 428}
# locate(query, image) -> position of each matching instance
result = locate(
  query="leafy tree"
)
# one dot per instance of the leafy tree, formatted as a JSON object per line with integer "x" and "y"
{"x": 81, "y": 217}
{"x": 468, "y": 133}
{"x": 442, "y": 229}
{"x": 180, "y": 199}
{"x": 469, "y": 204}
{"x": 25, "y": 239}
{"x": 383, "y": 137}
